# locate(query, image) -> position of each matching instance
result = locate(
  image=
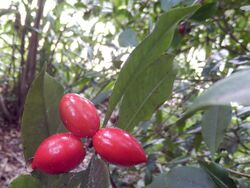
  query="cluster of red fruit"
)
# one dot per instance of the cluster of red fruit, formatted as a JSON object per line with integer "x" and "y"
{"x": 63, "y": 152}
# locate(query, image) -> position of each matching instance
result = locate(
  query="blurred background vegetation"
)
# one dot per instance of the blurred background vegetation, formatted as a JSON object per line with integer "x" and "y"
{"x": 84, "y": 44}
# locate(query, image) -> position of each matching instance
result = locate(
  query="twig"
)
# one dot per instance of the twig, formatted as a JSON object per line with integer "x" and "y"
{"x": 238, "y": 173}
{"x": 56, "y": 44}
{"x": 228, "y": 30}
{"x": 112, "y": 182}
{"x": 4, "y": 109}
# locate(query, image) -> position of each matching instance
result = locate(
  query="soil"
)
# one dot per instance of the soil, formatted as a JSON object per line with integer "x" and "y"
{"x": 12, "y": 162}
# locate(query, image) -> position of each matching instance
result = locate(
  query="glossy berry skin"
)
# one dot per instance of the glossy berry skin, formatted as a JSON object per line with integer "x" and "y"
{"x": 59, "y": 153}
{"x": 118, "y": 147}
{"x": 79, "y": 115}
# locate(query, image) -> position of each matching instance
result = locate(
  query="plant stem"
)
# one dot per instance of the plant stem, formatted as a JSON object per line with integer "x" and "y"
{"x": 238, "y": 173}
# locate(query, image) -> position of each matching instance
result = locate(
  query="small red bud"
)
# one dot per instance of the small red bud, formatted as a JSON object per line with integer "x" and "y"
{"x": 182, "y": 29}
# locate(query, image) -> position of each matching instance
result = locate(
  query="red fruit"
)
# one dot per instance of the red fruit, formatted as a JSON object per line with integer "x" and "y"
{"x": 59, "y": 153}
{"x": 182, "y": 28}
{"x": 79, "y": 115}
{"x": 118, "y": 147}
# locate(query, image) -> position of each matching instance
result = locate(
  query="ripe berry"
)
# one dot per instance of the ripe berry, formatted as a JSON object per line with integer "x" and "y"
{"x": 79, "y": 115}
{"x": 59, "y": 153}
{"x": 182, "y": 28}
{"x": 118, "y": 147}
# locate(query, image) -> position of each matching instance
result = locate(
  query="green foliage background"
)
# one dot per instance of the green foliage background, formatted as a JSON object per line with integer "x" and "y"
{"x": 129, "y": 58}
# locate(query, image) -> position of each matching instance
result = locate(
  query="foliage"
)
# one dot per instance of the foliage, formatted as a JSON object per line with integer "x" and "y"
{"x": 184, "y": 96}
{"x": 25, "y": 181}
{"x": 189, "y": 177}
{"x": 214, "y": 123}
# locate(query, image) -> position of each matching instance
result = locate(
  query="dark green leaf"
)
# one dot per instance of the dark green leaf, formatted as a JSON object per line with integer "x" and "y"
{"x": 197, "y": 141}
{"x": 25, "y": 181}
{"x": 76, "y": 179}
{"x": 147, "y": 52}
{"x": 218, "y": 174}
{"x": 67, "y": 180}
{"x": 127, "y": 38}
{"x": 98, "y": 175}
{"x": 205, "y": 12}
{"x": 40, "y": 117}
{"x": 243, "y": 183}
{"x": 101, "y": 97}
{"x": 214, "y": 123}
{"x": 148, "y": 177}
{"x": 224, "y": 92}
{"x": 53, "y": 91}
{"x": 148, "y": 91}
{"x": 188, "y": 177}
{"x": 176, "y": 40}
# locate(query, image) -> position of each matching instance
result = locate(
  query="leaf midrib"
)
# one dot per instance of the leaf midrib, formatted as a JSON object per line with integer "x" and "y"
{"x": 146, "y": 99}
{"x": 216, "y": 128}
{"x": 110, "y": 109}
{"x": 218, "y": 179}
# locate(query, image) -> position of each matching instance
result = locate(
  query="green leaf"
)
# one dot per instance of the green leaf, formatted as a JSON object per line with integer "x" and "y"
{"x": 148, "y": 91}
{"x": 223, "y": 93}
{"x": 148, "y": 51}
{"x": 101, "y": 97}
{"x": 67, "y": 180}
{"x": 76, "y": 179}
{"x": 98, "y": 175}
{"x": 214, "y": 123}
{"x": 127, "y": 38}
{"x": 80, "y": 5}
{"x": 244, "y": 183}
{"x": 205, "y": 12}
{"x": 176, "y": 40}
{"x": 168, "y": 4}
{"x": 40, "y": 117}
{"x": 25, "y": 181}
{"x": 188, "y": 177}
{"x": 122, "y": 14}
{"x": 218, "y": 174}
